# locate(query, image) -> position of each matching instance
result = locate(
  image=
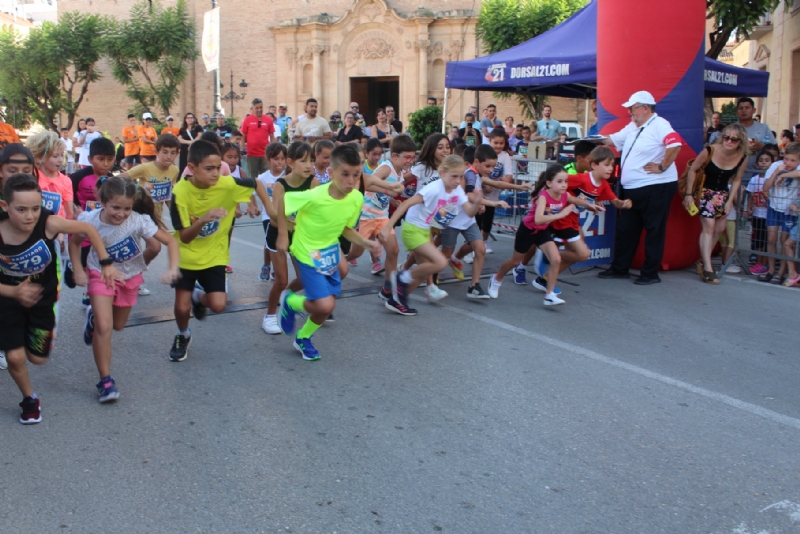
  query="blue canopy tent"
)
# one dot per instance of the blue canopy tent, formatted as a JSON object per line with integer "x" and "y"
{"x": 563, "y": 62}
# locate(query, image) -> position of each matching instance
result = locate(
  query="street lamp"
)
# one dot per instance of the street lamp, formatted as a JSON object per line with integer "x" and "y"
{"x": 231, "y": 96}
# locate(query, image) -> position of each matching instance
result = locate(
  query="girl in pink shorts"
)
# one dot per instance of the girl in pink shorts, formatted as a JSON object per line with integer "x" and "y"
{"x": 124, "y": 220}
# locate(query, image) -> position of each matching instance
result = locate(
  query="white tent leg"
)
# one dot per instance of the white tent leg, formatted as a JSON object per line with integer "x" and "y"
{"x": 444, "y": 112}
{"x": 586, "y": 119}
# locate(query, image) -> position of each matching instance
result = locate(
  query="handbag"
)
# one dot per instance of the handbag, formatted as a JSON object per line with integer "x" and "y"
{"x": 699, "y": 177}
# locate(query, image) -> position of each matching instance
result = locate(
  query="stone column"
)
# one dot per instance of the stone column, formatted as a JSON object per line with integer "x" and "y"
{"x": 317, "y": 66}
{"x": 422, "y": 45}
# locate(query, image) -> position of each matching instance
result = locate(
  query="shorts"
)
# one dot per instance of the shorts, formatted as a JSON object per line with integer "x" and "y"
{"x": 450, "y": 235}
{"x": 728, "y": 238}
{"x": 345, "y": 244}
{"x": 132, "y": 160}
{"x": 31, "y": 328}
{"x": 413, "y": 236}
{"x": 265, "y": 224}
{"x": 759, "y": 235}
{"x": 784, "y": 220}
{"x": 147, "y": 158}
{"x": 794, "y": 234}
{"x": 125, "y": 292}
{"x": 212, "y": 279}
{"x": 712, "y": 203}
{"x": 271, "y": 241}
{"x": 526, "y": 238}
{"x": 370, "y": 228}
{"x": 566, "y": 235}
{"x": 317, "y": 285}
{"x": 485, "y": 219}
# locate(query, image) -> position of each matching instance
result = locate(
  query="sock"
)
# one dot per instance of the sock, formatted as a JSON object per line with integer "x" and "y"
{"x": 295, "y": 302}
{"x": 453, "y": 257}
{"x": 405, "y": 277}
{"x": 185, "y": 333}
{"x": 521, "y": 266}
{"x": 34, "y": 396}
{"x": 308, "y": 329}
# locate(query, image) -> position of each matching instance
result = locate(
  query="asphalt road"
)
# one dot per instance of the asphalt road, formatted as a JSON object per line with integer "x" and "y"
{"x": 670, "y": 408}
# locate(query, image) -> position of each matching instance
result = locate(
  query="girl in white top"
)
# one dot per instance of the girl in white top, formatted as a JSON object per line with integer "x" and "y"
{"x": 126, "y": 218}
{"x": 276, "y": 161}
{"x": 434, "y": 206}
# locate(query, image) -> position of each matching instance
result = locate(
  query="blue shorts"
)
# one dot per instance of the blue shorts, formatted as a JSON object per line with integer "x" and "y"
{"x": 786, "y": 221}
{"x": 317, "y": 285}
{"x": 794, "y": 235}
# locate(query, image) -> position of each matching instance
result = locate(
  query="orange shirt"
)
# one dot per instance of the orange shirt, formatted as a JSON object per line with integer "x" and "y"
{"x": 132, "y": 147}
{"x": 174, "y": 131}
{"x": 146, "y": 149}
{"x": 7, "y": 134}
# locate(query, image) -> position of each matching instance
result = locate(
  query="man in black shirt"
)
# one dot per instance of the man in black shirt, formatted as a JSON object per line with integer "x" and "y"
{"x": 716, "y": 125}
{"x": 396, "y": 124}
{"x": 470, "y": 135}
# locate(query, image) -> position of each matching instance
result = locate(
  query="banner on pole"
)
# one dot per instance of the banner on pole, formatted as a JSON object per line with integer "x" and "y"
{"x": 210, "y": 44}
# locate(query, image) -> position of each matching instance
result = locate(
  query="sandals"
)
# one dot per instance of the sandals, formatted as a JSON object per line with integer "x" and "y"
{"x": 709, "y": 277}
{"x": 778, "y": 280}
{"x": 766, "y": 277}
{"x": 789, "y": 282}
{"x": 699, "y": 267}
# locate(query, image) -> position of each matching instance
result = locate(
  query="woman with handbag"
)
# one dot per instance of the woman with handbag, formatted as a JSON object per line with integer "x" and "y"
{"x": 720, "y": 167}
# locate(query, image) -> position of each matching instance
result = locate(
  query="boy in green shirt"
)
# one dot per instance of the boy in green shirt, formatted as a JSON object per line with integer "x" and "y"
{"x": 323, "y": 214}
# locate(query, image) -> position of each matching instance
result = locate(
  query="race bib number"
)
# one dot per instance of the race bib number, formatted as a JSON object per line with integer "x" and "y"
{"x": 326, "y": 261}
{"x": 497, "y": 172}
{"x": 523, "y": 150}
{"x": 383, "y": 200}
{"x": 443, "y": 216}
{"x": 410, "y": 190}
{"x": 125, "y": 250}
{"x": 33, "y": 261}
{"x": 469, "y": 140}
{"x": 208, "y": 229}
{"x": 162, "y": 191}
{"x": 51, "y": 201}
{"x": 590, "y": 200}
{"x": 92, "y": 205}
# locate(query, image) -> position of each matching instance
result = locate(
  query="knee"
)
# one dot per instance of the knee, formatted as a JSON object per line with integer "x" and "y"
{"x": 555, "y": 258}
{"x": 584, "y": 254}
{"x": 326, "y": 306}
{"x": 479, "y": 247}
{"x": 218, "y": 305}
{"x": 441, "y": 264}
{"x": 36, "y": 360}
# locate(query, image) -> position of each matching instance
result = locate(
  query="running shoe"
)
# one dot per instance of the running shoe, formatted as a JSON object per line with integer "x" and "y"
{"x": 31, "y": 411}
{"x": 400, "y": 289}
{"x": 377, "y": 268}
{"x": 265, "y": 272}
{"x": 734, "y": 269}
{"x": 520, "y": 277}
{"x": 435, "y": 277}
{"x": 540, "y": 263}
{"x": 143, "y": 291}
{"x": 469, "y": 258}
{"x": 540, "y": 283}
{"x": 494, "y": 287}
{"x": 180, "y": 347}
{"x": 228, "y": 269}
{"x": 330, "y": 319}
{"x": 488, "y": 250}
{"x": 287, "y": 318}
{"x": 435, "y": 294}
{"x": 88, "y": 326}
{"x": 3, "y": 362}
{"x": 198, "y": 309}
{"x": 270, "y": 325}
{"x": 457, "y": 267}
{"x": 69, "y": 276}
{"x": 552, "y": 300}
{"x": 477, "y": 292}
{"x": 385, "y": 294}
{"x": 353, "y": 262}
{"x": 758, "y": 269}
{"x": 85, "y": 302}
{"x": 307, "y": 349}
{"x": 399, "y": 308}
{"x": 107, "y": 390}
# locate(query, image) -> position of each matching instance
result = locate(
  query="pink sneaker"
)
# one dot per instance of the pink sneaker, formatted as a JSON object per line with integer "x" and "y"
{"x": 758, "y": 269}
{"x": 353, "y": 262}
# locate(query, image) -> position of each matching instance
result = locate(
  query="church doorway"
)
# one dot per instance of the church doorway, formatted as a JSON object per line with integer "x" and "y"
{"x": 372, "y": 93}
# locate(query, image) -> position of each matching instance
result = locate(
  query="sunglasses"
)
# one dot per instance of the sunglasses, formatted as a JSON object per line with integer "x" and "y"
{"x": 731, "y": 139}
{"x": 353, "y": 107}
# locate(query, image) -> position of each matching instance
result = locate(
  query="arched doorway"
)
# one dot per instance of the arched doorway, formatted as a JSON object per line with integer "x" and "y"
{"x": 373, "y": 92}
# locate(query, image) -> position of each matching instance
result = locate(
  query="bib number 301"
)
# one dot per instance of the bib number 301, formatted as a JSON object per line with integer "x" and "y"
{"x": 326, "y": 261}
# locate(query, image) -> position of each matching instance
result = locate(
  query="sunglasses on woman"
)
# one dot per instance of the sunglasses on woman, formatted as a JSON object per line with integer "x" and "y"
{"x": 731, "y": 139}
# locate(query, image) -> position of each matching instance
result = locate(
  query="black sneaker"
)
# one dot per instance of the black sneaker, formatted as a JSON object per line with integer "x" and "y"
{"x": 399, "y": 308}
{"x": 69, "y": 277}
{"x": 179, "y": 348}
{"x": 31, "y": 411}
{"x": 330, "y": 318}
{"x": 477, "y": 292}
{"x": 401, "y": 288}
{"x": 385, "y": 295}
{"x": 611, "y": 273}
{"x": 647, "y": 281}
{"x": 436, "y": 279}
{"x": 198, "y": 309}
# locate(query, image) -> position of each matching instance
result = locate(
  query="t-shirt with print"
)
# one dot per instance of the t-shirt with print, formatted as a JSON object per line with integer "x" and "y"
{"x": 757, "y": 197}
{"x": 268, "y": 179}
{"x": 257, "y": 132}
{"x": 56, "y": 192}
{"x": 503, "y": 167}
{"x": 552, "y": 207}
{"x": 376, "y": 205}
{"x": 316, "y": 127}
{"x": 68, "y": 149}
{"x": 146, "y": 149}
{"x": 190, "y": 203}
{"x": 131, "y": 147}
{"x": 583, "y": 186}
{"x": 424, "y": 174}
{"x": 782, "y": 196}
{"x": 409, "y": 190}
{"x": 123, "y": 241}
{"x": 159, "y": 183}
{"x": 87, "y": 141}
{"x": 438, "y": 207}
{"x": 320, "y": 221}
{"x": 473, "y": 181}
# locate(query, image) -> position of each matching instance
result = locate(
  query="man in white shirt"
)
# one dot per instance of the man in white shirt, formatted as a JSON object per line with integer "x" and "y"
{"x": 648, "y": 147}
{"x": 312, "y": 127}
{"x": 69, "y": 155}
{"x": 85, "y": 139}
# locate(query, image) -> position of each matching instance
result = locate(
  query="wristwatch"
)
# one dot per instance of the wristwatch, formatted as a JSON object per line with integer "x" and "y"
{"x": 660, "y": 168}
{"x": 106, "y": 261}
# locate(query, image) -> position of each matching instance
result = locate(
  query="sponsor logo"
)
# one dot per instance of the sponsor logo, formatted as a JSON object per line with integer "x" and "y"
{"x": 721, "y": 77}
{"x": 496, "y": 73}
{"x": 540, "y": 71}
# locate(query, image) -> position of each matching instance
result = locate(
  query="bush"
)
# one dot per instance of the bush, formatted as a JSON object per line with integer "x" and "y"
{"x": 424, "y": 122}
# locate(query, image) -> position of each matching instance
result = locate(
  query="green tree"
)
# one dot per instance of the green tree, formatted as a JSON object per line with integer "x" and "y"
{"x": 424, "y": 123}
{"x": 49, "y": 71}
{"x": 737, "y": 18}
{"x": 506, "y": 23}
{"x": 149, "y": 54}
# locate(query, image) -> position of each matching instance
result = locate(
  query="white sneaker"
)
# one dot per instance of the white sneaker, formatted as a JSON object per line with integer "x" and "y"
{"x": 3, "y": 362}
{"x": 435, "y": 294}
{"x": 270, "y": 325}
{"x": 143, "y": 291}
{"x": 494, "y": 287}
{"x": 552, "y": 300}
{"x": 734, "y": 269}
{"x": 489, "y": 251}
{"x": 469, "y": 257}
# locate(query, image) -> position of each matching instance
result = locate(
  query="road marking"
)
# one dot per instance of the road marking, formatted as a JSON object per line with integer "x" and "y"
{"x": 247, "y": 243}
{"x": 719, "y": 397}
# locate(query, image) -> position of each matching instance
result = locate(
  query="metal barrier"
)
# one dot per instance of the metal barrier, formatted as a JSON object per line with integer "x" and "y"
{"x": 752, "y": 236}
{"x": 525, "y": 171}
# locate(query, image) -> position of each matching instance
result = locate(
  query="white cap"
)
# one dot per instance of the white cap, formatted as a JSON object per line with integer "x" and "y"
{"x": 170, "y": 118}
{"x": 640, "y": 97}
{"x": 147, "y": 116}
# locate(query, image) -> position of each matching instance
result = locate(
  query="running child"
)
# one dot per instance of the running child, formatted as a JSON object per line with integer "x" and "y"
{"x": 127, "y": 215}
{"x": 231, "y": 154}
{"x": 280, "y": 231}
{"x": 48, "y": 152}
{"x": 202, "y": 210}
{"x": 782, "y": 183}
{"x": 15, "y": 158}
{"x": 276, "y": 168}
{"x": 553, "y": 202}
{"x": 322, "y": 160}
{"x": 323, "y": 214}
{"x": 435, "y": 205}
{"x": 29, "y": 281}
{"x": 757, "y": 210}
